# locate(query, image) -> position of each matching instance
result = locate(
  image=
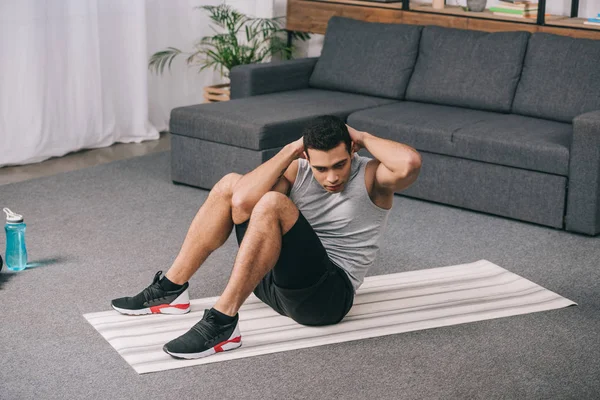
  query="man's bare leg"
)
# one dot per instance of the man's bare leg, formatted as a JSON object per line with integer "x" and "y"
{"x": 273, "y": 216}
{"x": 208, "y": 231}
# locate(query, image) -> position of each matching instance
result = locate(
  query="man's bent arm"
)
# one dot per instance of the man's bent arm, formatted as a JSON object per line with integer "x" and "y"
{"x": 396, "y": 157}
{"x": 399, "y": 164}
{"x": 252, "y": 186}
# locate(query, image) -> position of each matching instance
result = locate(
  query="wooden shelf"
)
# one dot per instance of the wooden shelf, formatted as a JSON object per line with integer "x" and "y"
{"x": 374, "y": 4}
{"x": 573, "y": 23}
{"x": 312, "y": 16}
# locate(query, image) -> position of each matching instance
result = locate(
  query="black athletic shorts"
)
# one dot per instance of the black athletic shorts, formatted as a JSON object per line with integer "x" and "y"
{"x": 325, "y": 300}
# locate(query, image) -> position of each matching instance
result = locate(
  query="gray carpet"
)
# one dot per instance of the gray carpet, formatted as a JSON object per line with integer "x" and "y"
{"x": 102, "y": 232}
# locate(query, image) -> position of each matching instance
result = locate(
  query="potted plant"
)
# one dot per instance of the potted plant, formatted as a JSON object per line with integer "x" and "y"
{"x": 261, "y": 38}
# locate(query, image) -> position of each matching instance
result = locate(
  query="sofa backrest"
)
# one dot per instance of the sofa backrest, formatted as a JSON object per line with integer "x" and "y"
{"x": 366, "y": 57}
{"x": 560, "y": 79}
{"x": 467, "y": 68}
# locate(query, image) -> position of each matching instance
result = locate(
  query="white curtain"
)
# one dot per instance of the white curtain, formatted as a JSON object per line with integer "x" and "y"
{"x": 73, "y": 75}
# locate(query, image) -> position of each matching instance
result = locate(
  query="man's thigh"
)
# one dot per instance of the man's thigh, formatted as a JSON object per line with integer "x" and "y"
{"x": 304, "y": 284}
{"x": 302, "y": 261}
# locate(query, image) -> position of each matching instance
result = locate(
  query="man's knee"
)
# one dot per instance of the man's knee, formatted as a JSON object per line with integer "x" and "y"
{"x": 242, "y": 206}
{"x": 226, "y": 184}
{"x": 277, "y": 205}
{"x": 241, "y": 209}
{"x": 270, "y": 202}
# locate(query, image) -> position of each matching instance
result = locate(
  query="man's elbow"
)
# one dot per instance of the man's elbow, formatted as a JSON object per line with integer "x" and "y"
{"x": 410, "y": 174}
{"x": 241, "y": 207}
{"x": 413, "y": 167}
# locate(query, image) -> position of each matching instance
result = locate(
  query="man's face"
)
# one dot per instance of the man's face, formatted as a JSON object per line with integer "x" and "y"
{"x": 331, "y": 168}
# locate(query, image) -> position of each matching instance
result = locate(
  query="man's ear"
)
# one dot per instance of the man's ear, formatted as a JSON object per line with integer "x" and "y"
{"x": 305, "y": 155}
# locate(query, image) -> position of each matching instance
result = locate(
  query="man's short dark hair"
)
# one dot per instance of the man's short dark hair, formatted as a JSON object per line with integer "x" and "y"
{"x": 325, "y": 133}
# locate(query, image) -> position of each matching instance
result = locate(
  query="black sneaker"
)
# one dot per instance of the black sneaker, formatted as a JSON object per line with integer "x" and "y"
{"x": 155, "y": 300}
{"x": 206, "y": 338}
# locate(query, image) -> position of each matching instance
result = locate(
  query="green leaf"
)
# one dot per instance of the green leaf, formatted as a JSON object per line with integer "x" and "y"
{"x": 238, "y": 39}
{"x": 159, "y": 59}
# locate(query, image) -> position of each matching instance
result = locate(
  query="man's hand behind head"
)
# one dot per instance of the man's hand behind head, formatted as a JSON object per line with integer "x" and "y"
{"x": 298, "y": 147}
{"x": 357, "y": 138}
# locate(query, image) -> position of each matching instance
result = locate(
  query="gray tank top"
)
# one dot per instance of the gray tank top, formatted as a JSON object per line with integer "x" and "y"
{"x": 348, "y": 223}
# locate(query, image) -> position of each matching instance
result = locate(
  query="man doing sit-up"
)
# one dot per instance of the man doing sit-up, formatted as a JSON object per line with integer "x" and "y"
{"x": 308, "y": 224}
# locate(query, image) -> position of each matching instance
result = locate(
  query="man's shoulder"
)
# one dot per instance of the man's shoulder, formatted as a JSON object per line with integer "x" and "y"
{"x": 381, "y": 198}
{"x": 370, "y": 170}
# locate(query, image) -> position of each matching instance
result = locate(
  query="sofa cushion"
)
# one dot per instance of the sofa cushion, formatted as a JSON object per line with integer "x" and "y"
{"x": 265, "y": 121}
{"x": 517, "y": 141}
{"x": 467, "y": 68}
{"x": 366, "y": 57}
{"x": 426, "y": 127}
{"x": 510, "y": 140}
{"x": 560, "y": 79}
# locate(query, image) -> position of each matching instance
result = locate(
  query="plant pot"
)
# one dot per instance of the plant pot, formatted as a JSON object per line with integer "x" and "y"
{"x": 437, "y": 4}
{"x": 215, "y": 93}
{"x": 476, "y": 5}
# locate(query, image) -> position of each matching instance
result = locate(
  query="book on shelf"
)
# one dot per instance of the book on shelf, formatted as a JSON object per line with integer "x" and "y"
{"x": 594, "y": 19}
{"x": 509, "y": 6}
{"x": 519, "y": 2}
{"x": 514, "y": 12}
{"x": 591, "y": 23}
{"x": 528, "y": 16}
{"x": 507, "y": 11}
{"x": 523, "y": 16}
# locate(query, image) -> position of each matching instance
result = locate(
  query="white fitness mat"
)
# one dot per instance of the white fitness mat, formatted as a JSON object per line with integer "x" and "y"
{"x": 384, "y": 305}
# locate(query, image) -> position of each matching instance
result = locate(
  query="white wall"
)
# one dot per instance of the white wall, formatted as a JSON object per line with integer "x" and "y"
{"x": 175, "y": 23}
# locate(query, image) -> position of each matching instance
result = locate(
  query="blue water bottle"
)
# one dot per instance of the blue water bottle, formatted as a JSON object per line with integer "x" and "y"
{"x": 16, "y": 253}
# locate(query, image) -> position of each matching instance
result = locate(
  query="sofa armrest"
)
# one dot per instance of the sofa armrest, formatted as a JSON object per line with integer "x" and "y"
{"x": 254, "y": 79}
{"x": 583, "y": 198}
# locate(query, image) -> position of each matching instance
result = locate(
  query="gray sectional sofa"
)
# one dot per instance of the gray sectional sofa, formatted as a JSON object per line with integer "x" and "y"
{"x": 507, "y": 123}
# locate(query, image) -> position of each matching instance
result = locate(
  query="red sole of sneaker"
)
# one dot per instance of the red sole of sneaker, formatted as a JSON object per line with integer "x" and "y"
{"x": 162, "y": 309}
{"x": 230, "y": 344}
